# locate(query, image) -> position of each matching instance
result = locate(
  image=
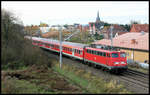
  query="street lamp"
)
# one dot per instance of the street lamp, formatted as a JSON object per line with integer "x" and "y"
{"x": 111, "y": 28}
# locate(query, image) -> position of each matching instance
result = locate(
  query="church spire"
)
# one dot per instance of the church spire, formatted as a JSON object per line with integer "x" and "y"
{"x": 97, "y": 18}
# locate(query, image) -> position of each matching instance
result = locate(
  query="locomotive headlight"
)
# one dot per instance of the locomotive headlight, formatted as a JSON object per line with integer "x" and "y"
{"x": 122, "y": 62}
{"x": 116, "y": 62}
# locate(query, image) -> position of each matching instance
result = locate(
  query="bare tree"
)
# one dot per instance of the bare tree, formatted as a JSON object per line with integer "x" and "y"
{"x": 11, "y": 32}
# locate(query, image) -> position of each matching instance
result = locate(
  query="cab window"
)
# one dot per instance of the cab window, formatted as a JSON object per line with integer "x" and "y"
{"x": 122, "y": 55}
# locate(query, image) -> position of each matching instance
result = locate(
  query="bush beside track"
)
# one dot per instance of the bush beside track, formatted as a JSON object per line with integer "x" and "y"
{"x": 88, "y": 81}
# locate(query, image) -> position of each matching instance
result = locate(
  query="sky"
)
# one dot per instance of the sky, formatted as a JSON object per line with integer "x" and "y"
{"x": 82, "y": 12}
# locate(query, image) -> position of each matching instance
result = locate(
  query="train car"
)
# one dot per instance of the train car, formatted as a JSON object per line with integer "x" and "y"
{"x": 50, "y": 44}
{"x": 67, "y": 50}
{"x": 70, "y": 49}
{"x": 78, "y": 53}
{"x": 112, "y": 60}
{"x": 76, "y": 50}
{"x": 35, "y": 41}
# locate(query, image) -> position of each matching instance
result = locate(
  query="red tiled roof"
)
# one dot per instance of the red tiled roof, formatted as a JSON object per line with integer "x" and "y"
{"x": 139, "y": 28}
{"x": 116, "y": 28}
{"x": 128, "y": 40}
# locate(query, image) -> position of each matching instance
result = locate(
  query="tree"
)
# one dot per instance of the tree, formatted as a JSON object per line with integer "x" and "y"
{"x": 106, "y": 24}
{"x": 126, "y": 26}
{"x": 12, "y": 36}
{"x": 134, "y": 22}
{"x": 66, "y": 26}
{"x": 17, "y": 51}
{"x": 98, "y": 36}
{"x": 43, "y": 24}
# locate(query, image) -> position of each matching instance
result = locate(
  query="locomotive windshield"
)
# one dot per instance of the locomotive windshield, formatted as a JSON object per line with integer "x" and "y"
{"x": 114, "y": 55}
{"x": 122, "y": 55}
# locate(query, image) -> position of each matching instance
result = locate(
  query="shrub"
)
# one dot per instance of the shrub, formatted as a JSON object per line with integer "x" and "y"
{"x": 17, "y": 51}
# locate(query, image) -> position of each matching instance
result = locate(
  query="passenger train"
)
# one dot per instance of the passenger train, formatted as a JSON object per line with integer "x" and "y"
{"x": 111, "y": 60}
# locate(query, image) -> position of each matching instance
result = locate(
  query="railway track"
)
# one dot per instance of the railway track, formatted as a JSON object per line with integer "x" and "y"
{"x": 135, "y": 81}
{"x": 138, "y": 73}
{"x": 136, "y": 77}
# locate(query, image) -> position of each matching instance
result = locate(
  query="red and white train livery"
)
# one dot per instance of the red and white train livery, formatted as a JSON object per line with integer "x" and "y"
{"x": 112, "y": 60}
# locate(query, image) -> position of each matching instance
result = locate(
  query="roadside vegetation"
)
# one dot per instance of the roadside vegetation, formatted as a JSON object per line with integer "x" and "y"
{"x": 38, "y": 80}
{"x": 17, "y": 53}
{"x": 82, "y": 37}
{"x": 89, "y": 82}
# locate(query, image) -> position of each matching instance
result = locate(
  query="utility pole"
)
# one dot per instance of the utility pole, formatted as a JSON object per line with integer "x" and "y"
{"x": 31, "y": 33}
{"x": 111, "y": 28}
{"x": 60, "y": 47}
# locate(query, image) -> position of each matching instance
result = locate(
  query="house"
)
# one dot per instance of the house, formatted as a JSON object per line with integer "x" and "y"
{"x": 136, "y": 45}
{"x": 116, "y": 31}
{"x": 140, "y": 28}
{"x": 83, "y": 28}
{"x": 33, "y": 30}
{"x": 56, "y": 27}
{"x": 44, "y": 29}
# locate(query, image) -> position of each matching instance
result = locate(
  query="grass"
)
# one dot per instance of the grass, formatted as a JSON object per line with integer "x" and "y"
{"x": 88, "y": 82}
{"x": 15, "y": 86}
{"x": 73, "y": 78}
{"x": 38, "y": 80}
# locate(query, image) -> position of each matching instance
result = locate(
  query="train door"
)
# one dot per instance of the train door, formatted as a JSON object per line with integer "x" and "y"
{"x": 107, "y": 59}
{"x": 72, "y": 51}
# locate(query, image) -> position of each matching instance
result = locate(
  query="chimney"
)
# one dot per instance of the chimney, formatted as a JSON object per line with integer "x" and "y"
{"x": 142, "y": 32}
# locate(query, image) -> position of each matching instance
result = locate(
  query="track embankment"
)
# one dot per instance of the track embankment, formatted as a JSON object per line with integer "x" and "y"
{"x": 134, "y": 82}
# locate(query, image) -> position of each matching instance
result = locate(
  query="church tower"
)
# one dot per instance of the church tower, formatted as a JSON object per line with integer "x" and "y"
{"x": 98, "y": 18}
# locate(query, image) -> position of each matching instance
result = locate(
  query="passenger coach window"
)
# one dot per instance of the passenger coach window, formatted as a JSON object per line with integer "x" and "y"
{"x": 90, "y": 51}
{"x": 78, "y": 51}
{"x": 114, "y": 55}
{"x": 87, "y": 51}
{"x": 108, "y": 55}
{"x": 94, "y": 52}
{"x": 122, "y": 55}
{"x": 97, "y": 53}
{"x": 104, "y": 54}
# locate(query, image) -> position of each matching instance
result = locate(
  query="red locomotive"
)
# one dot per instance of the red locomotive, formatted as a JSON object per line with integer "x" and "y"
{"x": 112, "y": 60}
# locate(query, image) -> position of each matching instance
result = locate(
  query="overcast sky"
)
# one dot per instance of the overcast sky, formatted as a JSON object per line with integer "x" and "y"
{"x": 66, "y": 12}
